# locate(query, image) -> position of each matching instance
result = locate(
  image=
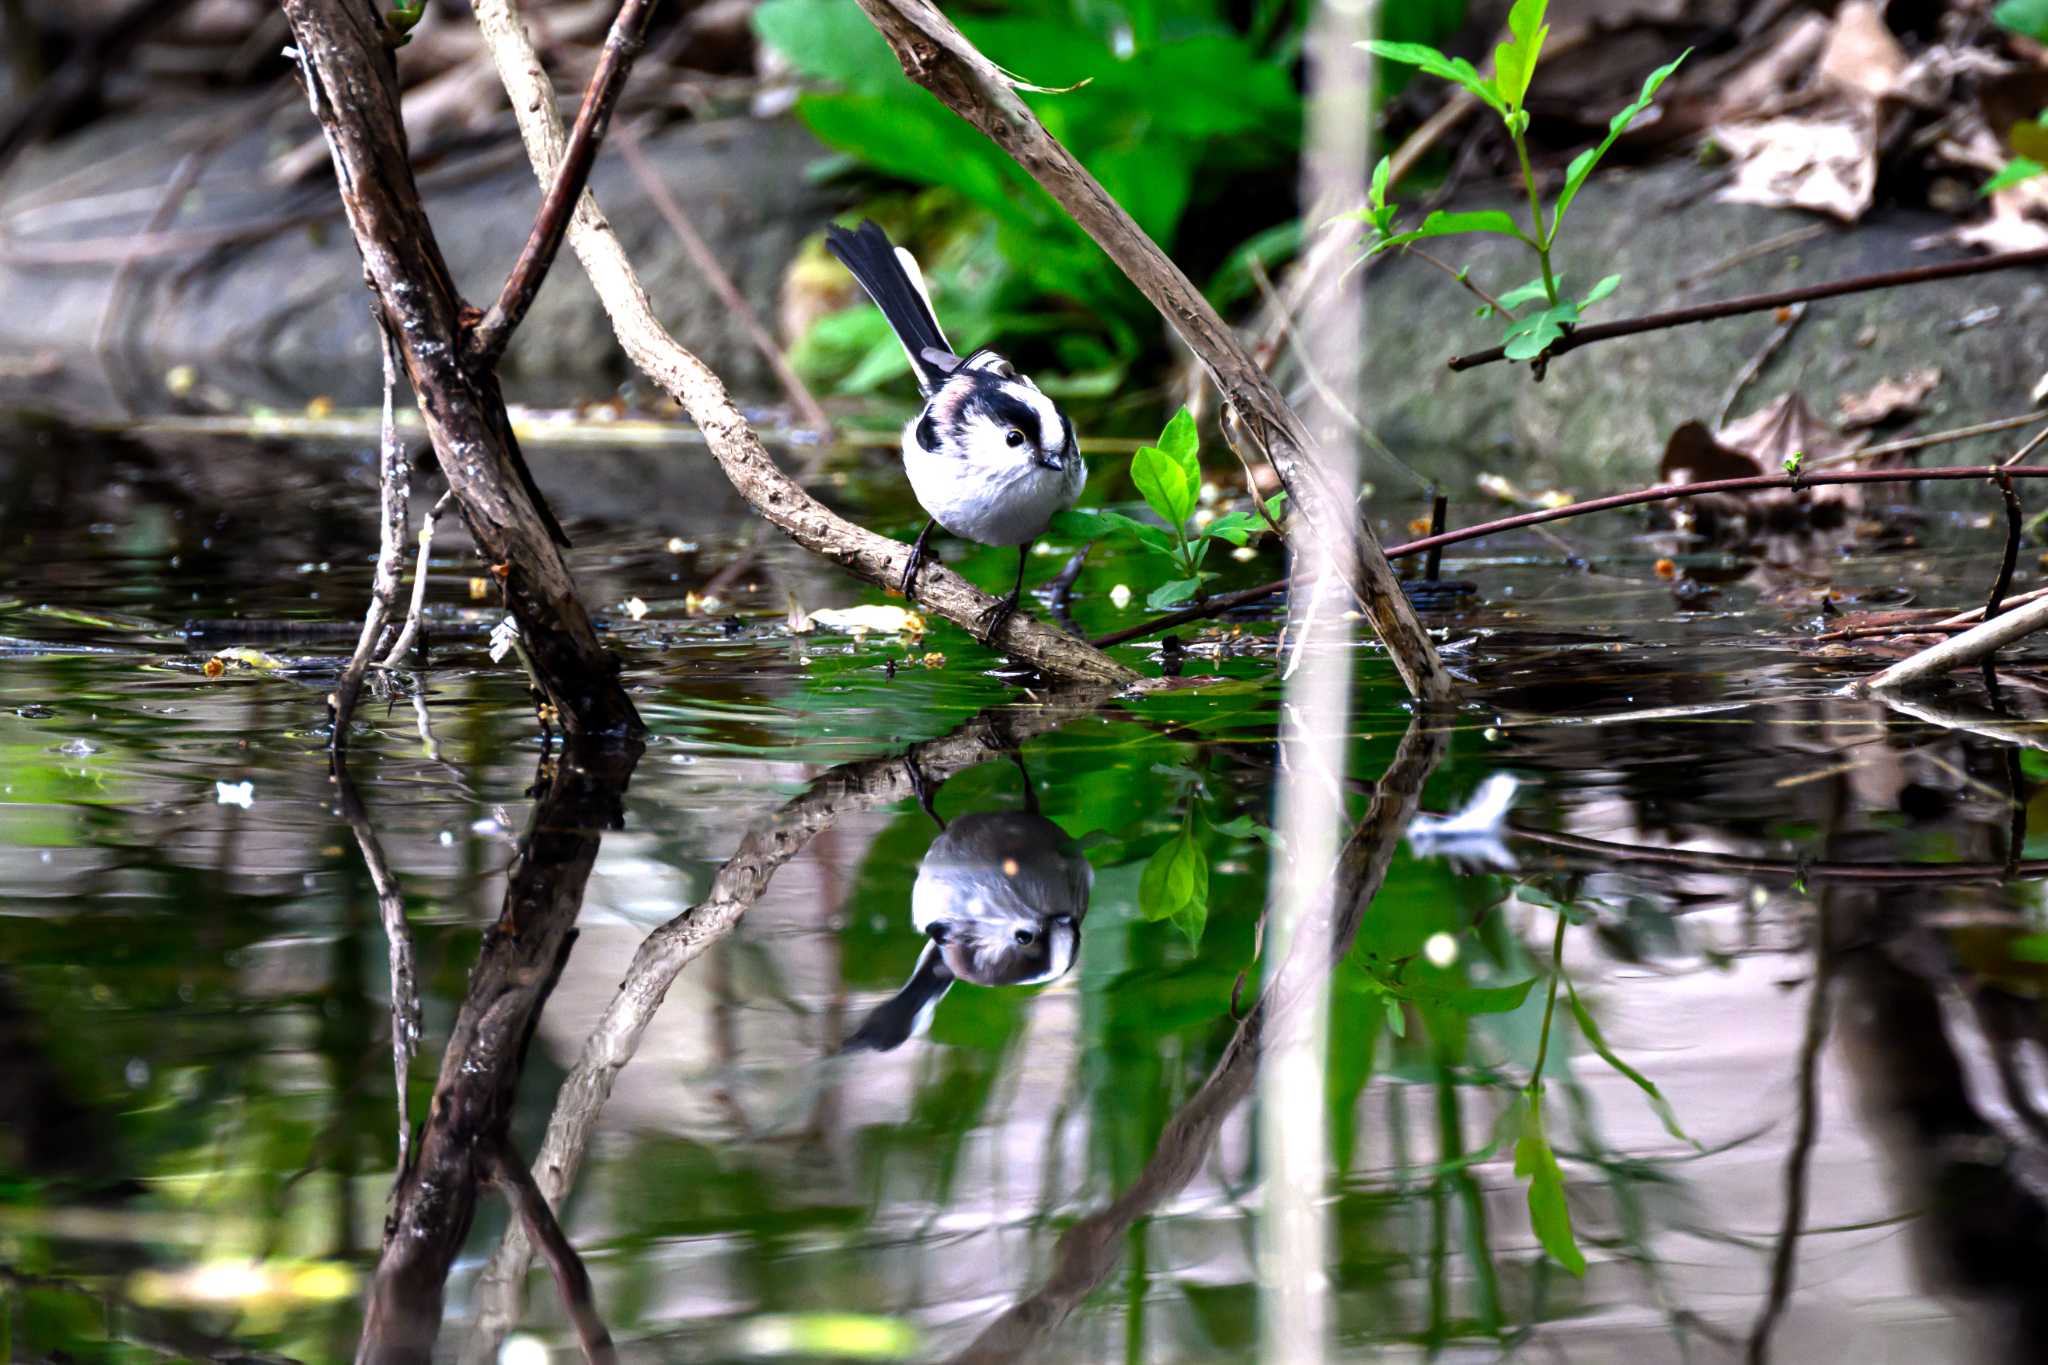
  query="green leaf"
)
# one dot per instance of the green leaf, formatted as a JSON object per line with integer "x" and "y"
{"x": 1454, "y": 69}
{"x": 829, "y": 41}
{"x": 1397, "y": 1018}
{"x": 1583, "y": 164}
{"x": 1590, "y": 1031}
{"x": 2028, "y": 17}
{"x": 1098, "y": 524}
{"x": 1180, "y": 440}
{"x": 1164, "y": 483}
{"x": 1471, "y": 999}
{"x": 1236, "y": 527}
{"x": 1376, "y": 193}
{"x": 1245, "y": 827}
{"x": 1171, "y": 595}
{"x": 1608, "y": 284}
{"x": 1175, "y": 884}
{"x": 1275, "y": 504}
{"x": 1527, "y": 293}
{"x": 1442, "y": 224}
{"x": 2011, "y": 173}
{"x": 1514, "y": 62}
{"x": 1526, "y": 338}
{"x": 1548, "y": 1213}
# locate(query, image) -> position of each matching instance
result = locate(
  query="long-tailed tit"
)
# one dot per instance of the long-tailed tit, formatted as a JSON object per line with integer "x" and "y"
{"x": 990, "y": 458}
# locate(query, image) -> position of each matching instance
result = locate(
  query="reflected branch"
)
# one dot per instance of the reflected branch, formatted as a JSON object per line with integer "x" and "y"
{"x": 505, "y": 1170}
{"x": 1785, "y": 1254}
{"x": 405, "y": 985}
{"x": 1088, "y": 1251}
{"x": 578, "y": 798}
{"x": 767, "y": 845}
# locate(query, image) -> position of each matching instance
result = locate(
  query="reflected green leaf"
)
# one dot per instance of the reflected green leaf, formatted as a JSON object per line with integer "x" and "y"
{"x": 1549, "y": 1215}
{"x": 1591, "y": 1032}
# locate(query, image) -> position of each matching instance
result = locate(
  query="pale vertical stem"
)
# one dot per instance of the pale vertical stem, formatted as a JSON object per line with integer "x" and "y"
{"x": 1294, "y": 1287}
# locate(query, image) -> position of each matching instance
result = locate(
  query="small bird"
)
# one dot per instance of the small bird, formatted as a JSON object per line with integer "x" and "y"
{"x": 990, "y": 458}
{"x": 999, "y": 897}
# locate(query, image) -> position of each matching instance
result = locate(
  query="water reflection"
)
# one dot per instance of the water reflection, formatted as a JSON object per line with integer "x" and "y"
{"x": 999, "y": 897}
{"x": 466, "y": 1141}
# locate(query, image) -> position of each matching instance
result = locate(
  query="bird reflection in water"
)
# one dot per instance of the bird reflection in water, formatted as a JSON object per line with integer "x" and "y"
{"x": 999, "y": 897}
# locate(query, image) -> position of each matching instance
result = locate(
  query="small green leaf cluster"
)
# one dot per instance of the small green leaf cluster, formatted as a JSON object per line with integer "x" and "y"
{"x": 402, "y": 18}
{"x": 1514, "y": 66}
{"x": 1169, "y": 477}
{"x": 1174, "y": 885}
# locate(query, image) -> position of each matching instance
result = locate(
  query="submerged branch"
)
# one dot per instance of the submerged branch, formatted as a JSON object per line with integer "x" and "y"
{"x": 769, "y": 844}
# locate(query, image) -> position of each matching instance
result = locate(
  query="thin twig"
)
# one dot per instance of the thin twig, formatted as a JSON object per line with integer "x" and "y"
{"x": 699, "y": 251}
{"x": 1972, "y": 646}
{"x": 2002, "y": 585}
{"x": 1766, "y": 247}
{"x": 487, "y": 341}
{"x": 1758, "y": 303}
{"x": 504, "y": 1169}
{"x": 1906, "y": 445}
{"x": 1779, "y": 336}
{"x": 1464, "y": 278}
{"x": 394, "y": 482}
{"x": 416, "y": 611}
{"x": 2019, "y": 457}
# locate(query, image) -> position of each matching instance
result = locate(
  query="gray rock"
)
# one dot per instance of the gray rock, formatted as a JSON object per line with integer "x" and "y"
{"x": 1604, "y": 413}
{"x": 281, "y": 315}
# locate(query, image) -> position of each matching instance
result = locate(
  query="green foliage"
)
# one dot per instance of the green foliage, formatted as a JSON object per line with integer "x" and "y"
{"x": 2028, "y": 18}
{"x": 1514, "y": 69}
{"x": 1175, "y": 883}
{"x": 1590, "y": 1031}
{"x": 1535, "y": 1162}
{"x": 1155, "y": 100}
{"x": 1169, "y": 477}
{"x": 401, "y": 19}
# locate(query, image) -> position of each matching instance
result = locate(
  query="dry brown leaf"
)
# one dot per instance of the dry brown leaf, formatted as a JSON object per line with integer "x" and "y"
{"x": 1787, "y": 427}
{"x": 1826, "y": 161}
{"x": 1888, "y": 398}
{"x": 1861, "y": 57}
{"x": 1823, "y": 157}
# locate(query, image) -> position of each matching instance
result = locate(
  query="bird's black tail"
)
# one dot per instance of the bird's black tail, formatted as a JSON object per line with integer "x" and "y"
{"x": 892, "y": 1022}
{"x": 871, "y": 257}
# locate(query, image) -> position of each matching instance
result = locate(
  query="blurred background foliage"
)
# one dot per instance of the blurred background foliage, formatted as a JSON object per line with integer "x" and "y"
{"x": 1188, "y": 111}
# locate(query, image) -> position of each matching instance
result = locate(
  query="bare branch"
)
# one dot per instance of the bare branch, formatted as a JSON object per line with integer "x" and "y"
{"x": 732, "y": 441}
{"x": 938, "y": 57}
{"x": 621, "y": 46}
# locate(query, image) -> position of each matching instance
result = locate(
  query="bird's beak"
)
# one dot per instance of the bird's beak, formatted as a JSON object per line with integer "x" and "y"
{"x": 1052, "y": 459}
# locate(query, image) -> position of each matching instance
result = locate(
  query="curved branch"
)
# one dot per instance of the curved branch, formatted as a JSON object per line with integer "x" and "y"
{"x": 732, "y": 441}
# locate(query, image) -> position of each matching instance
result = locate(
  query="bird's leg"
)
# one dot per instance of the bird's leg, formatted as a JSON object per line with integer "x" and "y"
{"x": 921, "y": 787}
{"x": 916, "y": 559}
{"x": 998, "y": 616}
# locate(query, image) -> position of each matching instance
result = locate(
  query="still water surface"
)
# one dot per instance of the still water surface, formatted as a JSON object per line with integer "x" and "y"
{"x": 1834, "y": 987}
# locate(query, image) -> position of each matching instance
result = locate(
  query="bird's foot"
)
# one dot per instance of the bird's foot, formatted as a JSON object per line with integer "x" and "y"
{"x": 993, "y": 620}
{"x": 915, "y": 562}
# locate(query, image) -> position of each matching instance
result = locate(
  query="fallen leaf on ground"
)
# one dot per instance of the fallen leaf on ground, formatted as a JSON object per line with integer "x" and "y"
{"x": 1824, "y": 156}
{"x": 798, "y": 620}
{"x": 1887, "y": 399}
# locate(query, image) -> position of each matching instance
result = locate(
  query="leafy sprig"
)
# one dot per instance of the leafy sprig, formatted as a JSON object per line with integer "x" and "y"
{"x": 1514, "y": 69}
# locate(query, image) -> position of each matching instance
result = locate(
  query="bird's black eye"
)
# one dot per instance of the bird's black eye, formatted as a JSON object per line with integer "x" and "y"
{"x": 1013, "y": 438}
{"x": 1023, "y": 937}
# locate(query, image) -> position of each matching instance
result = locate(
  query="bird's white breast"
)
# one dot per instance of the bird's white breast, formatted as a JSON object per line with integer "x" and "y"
{"x": 1006, "y": 501}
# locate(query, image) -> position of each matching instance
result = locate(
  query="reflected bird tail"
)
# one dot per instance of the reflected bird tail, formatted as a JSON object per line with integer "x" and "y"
{"x": 907, "y": 1012}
